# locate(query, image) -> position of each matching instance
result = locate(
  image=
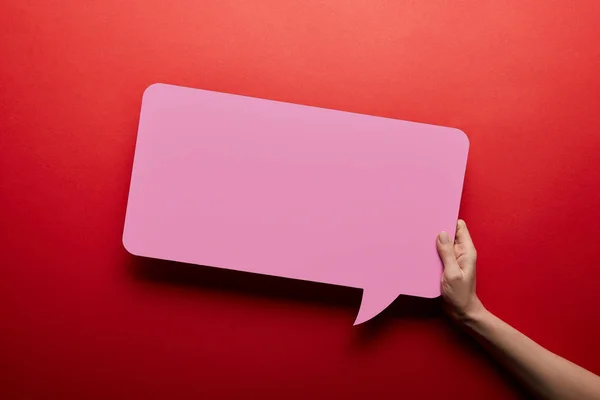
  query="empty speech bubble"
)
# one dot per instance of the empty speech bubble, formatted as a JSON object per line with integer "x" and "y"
{"x": 294, "y": 191}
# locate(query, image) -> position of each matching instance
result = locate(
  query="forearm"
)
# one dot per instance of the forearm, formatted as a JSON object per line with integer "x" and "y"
{"x": 547, "y": 375}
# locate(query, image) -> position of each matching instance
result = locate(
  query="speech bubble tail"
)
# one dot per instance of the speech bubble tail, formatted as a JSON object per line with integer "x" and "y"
{"x": 373, "y": 302}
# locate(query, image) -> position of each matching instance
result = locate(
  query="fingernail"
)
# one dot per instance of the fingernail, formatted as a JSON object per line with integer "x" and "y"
{"x": 444, "y": 238}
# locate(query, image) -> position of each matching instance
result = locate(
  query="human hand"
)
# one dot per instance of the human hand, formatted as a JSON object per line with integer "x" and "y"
{"x": 458, "y": 281}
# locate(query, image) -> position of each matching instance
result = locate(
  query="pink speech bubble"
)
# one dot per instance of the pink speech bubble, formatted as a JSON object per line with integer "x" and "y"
{"x": 294, "y": 191}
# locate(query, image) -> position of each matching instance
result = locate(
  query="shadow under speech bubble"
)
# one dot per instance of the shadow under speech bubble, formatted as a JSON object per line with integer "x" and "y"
{"x": 163, "y": 272}
{"x": 265, "y": 286}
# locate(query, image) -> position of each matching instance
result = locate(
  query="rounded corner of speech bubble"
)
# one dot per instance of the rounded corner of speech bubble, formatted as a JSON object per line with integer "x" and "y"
{"x": 129, "y": 244}
{"x": 153, "y": 87}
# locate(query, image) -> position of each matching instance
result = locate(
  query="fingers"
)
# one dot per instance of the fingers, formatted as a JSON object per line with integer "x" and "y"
{"x": 445, "y": 248}
{"x": 462, "y": 234}
{"x": 463, "y": 239}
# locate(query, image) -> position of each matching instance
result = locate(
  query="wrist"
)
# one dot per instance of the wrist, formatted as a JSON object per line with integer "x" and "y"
{"x": 472, "y": 315}
{"x": 476, "y": 317}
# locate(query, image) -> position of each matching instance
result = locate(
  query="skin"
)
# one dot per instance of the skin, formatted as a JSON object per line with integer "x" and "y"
{"x": 545, "y": 374}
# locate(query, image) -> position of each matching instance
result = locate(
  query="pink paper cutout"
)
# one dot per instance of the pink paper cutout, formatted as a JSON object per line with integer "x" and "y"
{"x": 294, "y": 191}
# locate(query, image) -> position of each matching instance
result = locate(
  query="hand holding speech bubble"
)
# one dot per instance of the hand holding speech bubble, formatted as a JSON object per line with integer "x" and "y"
{"x": 294, "y": 191}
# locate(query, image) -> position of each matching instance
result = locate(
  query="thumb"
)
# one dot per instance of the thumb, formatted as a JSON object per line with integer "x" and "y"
{"x": 445, "y": 249}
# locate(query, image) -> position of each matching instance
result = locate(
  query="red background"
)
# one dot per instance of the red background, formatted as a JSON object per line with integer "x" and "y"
{"x": 81, "y": 318}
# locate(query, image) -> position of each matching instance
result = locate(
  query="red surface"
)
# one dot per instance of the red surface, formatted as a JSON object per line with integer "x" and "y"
{"x": 81, "y": 318}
